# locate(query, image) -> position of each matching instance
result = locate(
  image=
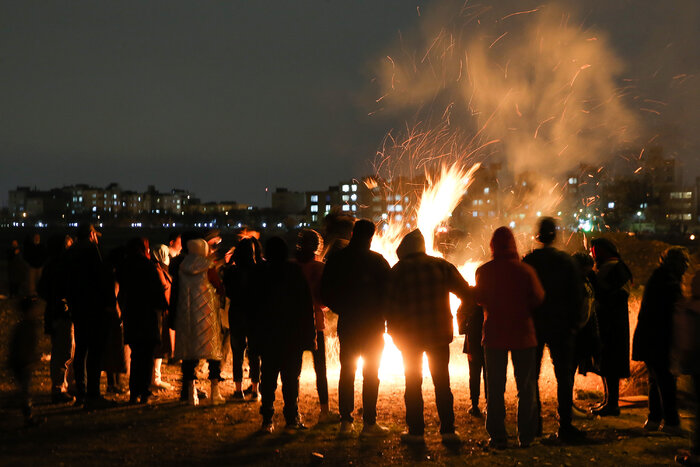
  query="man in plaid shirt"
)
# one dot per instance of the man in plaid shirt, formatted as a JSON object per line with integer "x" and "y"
{"x": 420, "y": 320}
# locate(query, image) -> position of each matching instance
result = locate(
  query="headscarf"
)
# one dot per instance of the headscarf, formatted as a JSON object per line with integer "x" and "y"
{"x": 161, "y": 254}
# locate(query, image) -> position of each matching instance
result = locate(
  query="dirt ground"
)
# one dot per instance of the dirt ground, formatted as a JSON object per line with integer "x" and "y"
{"x": 168, "y": 432}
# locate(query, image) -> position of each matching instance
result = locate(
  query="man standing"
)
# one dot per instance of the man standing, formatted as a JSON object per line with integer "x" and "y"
{"x": 90, "y": 296}
{"x": 420, "y": 321}
{"x": 558, "y": 320}
{"x": 354, "y": 286}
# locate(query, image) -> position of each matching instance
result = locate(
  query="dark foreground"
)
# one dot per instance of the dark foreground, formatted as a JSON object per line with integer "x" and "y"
{"x": 168, "y": 432}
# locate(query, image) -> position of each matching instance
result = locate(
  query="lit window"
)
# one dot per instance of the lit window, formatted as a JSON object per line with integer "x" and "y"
{"x": 346, "y": 188}
{"x": 314, "y": 198}
{"x": 397, "y": 197}
{"x": 346, "y": 208}
{"x": 353, "y": 197}
{"x": 688, "y": 194}
{"x": 572, "y": 181}
{"x": 398, "y": 217}
{"x": 475, "y": 214}
{"x": 611, "y": 205}
{"x": 354, "y": 187}
{"x": 486, "y": 190}
{"x": 314, "y": 217}
{"x": 346, "y": 198}
{"x": 399, "y": 208}
{"x": 353, "y": 207}
{"x": 390, "y": 208}
{"x": 328, "y": 207}
{"x": 314, "y": 208}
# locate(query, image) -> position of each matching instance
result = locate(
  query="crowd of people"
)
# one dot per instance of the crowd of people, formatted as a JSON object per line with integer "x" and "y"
{"x": 170, "y": 301}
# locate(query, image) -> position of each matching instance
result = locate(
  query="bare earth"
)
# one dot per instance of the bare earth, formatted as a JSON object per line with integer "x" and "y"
{"x": 168, "y": 432}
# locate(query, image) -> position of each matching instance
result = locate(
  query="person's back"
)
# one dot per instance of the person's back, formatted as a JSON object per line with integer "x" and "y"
{"x": 86, "y": 278}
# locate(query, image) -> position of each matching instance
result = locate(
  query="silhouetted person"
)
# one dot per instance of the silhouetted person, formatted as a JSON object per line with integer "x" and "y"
{"x": 142, "y": 301}
{"x": 470, "y": 318}
{"x": 612, "y": 289}
{"x": 161, "y": 260}
{"x": 419, "y": 320}
{"x": 90, "y": 297}
{"x": 242, "y": 280}
{"x": 686, "y": 353}
{"x": 15, "y": 268}
{"x": 286, "y": 324}
{"x": 557, "y": 320}
{"x": 35, "y": 255}
{"x": 354, "y": 286}
{"x": 24, "y": 355}
{"x": 654, "y": 336}
{"x": 198, "y": 320}
{"x": 57, "y": 322}
{"x": 509, "y": 291}
{"x": 308, "y": 250}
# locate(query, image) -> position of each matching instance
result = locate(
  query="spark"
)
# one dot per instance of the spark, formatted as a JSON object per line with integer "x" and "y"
{"x": 519, "y": 13}
{"x": 499, "y": 38}
{"x": 644, "y": 109}
{"x": 540, "y": 125}
{"x": 638, "y": 170}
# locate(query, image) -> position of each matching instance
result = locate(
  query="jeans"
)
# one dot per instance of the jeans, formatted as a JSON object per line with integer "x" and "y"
{"x": 438, "y": 360}
{"x": 370, "y": 349}
{"x": 662, "y": 395}
{"x": 61, "y": 353}
{"x": 90, "y": 337}
{"x": 525, "y": 367}
{"x": 142, "y": 355}
{"x": 562, "y": 354}
{"x": 476, "y": 369}
{"x": 286, "y": 365}
{"x": 239, "y": 342}
{"x": 319, "y": 356}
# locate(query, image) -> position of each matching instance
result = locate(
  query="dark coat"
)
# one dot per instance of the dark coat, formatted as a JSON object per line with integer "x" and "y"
{"x": 470, "y": 319}
{"x": 243, "y": 285}
{"x": 90, "y": 283}
{"x": 354, "y": 285}
{"x": 654, "y": 333}
{"x": 142, "y": 300}
{"x": 51, "y": 288}
{"x": 561, "y": 314}
{"x": 284, "y": 321}
{"x": 588, "y": 346}
{"x": 612, "y": 292}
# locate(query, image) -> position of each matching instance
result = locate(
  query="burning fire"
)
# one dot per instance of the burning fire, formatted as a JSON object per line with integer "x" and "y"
{"x": 439, "y": 198}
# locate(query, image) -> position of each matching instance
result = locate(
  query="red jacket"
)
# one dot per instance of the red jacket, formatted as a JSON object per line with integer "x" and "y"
{"x": 509, "y": 291}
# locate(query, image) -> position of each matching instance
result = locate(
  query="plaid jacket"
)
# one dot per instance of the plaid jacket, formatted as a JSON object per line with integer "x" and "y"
{"x": 419, "y": 314}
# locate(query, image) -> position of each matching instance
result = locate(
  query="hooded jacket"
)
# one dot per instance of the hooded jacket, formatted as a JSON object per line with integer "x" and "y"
{"x": 419, "y": 314}
{"x": 198, "y": 320}
{"x": 509, "y": 291}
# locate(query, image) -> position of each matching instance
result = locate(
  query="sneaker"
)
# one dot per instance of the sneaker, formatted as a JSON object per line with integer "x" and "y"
{"x": 475, "y": 412}
{"x": 267, "y": 428}
{"x": 238, "y": 396}
{"x": 408, "y": 438}
{"x": 570, "y": 434}
{"x": 374, "y": 430}
{"x": 451, "y": 439}
{"x": 673, "y": 430}
{"x": 498, "y": 444}
{"x": 346, "y": 428}
{"x": 328, "y": 418}
{"x": 113, "y": 389}
{"x": 652, "y": 425}
{"x": 607, "y": 411}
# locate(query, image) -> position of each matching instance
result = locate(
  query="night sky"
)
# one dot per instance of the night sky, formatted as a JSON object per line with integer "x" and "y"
{"x": 225, "y": 97}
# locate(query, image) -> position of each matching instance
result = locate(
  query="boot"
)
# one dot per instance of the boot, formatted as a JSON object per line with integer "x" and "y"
{"x": 192, "y": 398}
{"x": 216, "y": 397}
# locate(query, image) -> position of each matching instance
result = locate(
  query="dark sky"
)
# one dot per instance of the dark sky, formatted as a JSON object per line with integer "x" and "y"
{"x": 227, "y": 97}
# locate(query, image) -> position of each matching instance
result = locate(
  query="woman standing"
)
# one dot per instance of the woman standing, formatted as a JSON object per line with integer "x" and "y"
{"x": 161, "y": 259}
{"x": 612, "y": 289}
{"x": 198, "y": 321}
{"x": 142, "y": 301}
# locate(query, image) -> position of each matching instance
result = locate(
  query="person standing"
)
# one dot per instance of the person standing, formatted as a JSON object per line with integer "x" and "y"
{"x": 285, "y": 325}
{"x": 15, "y": 268}
{"x": 243, "y": 285}
{"x": 419, "y": 320}
{"x": 470, "y": 317}
{"x": 557, "y": 321}
{"x": 612, "y": 290}
{"x": 161, "y": 260}
{"x": 57, "y": 322}
{"x": 354, "y": 286}
{"x": 198, "y": 320}
{"x": 142, "y": 301}
{"x": 91, "y": 300}
{"x": 509, "y": 292}
{"x": 653, "y": 337}
{"x": 309, "y": 247}
{"x": 35, "y": 255}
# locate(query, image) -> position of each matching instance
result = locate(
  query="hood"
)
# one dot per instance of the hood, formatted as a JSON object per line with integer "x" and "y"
{"x": 199, "y": 247}
{"x": 412, "y": 243}
{"x": 195, "y": 264}
{"x": 503, "y": 244}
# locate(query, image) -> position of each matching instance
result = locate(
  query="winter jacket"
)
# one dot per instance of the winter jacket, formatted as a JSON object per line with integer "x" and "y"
{"x": 354, "y": 285}
{"x": 90, "y": 283}
{"x": 654, "y": 332}
{"x": 243, "y": 286}
{"x": 509, "y": 291}
{"x": 418, "y": 313}
{"x": 198, "y": 320}
{"x": 612, "y": 289}
{"x": 561, "y": 314}
{"x": 142, "y": 301}
{"x": 313, "y": 271}
{"x": 51, "y": 288}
